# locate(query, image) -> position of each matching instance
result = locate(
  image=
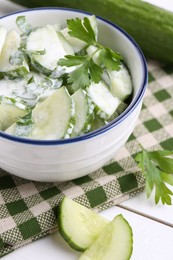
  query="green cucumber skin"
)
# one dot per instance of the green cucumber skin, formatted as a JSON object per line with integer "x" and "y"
{"x": 63, "y": 233}
{"x": 150, "y": 26}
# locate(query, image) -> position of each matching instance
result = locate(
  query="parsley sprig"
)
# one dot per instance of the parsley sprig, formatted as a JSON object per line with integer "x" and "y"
{"x": 157, "y": 167}
{"x": 82, "y": 30}
{"x": 87, "y": 70}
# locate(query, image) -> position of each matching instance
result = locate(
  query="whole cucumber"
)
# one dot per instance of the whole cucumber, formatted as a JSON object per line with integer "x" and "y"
{"x": 150, "y": 26}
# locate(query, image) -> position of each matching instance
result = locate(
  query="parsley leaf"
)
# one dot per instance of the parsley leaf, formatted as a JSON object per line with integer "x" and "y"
{"x": 157, "y": 168}
{"x": 95, "y": 71}
{"x": 86, "y": 71}
{"x": 109, "y": 59}
{"x": 164, "y": 162}
{"x": 79, "y": 77}
{"x": 82, "y": 30}
{"x": 71, "y": 60}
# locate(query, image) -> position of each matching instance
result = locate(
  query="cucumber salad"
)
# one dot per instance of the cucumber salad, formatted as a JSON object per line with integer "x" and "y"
{"x": 58, "y": 82}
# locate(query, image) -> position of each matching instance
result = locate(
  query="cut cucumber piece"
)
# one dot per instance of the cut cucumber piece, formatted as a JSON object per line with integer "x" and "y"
{"x": 9, "y": 114}
{"x": 78, "y": 225}
{"x": 45, "y": 39}
{"x": 84, "y": 112}
{"x": 54, "y": 117}
{"x": 66, "y": 45}
{"x": 10, "y": 47}
{"x": 76, "y": 43}
{"x": 3, "y": 33}
{"x": 115, "y": 242}
{"x": 121, "y": 83}
{"x": 97, "y": 123}
{"x": 94, "y": 52}
{"x": 121, "y": 108}
{"x": 104, "y": 100}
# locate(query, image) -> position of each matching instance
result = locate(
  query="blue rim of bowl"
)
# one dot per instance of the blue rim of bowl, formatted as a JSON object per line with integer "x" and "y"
{"x": 114, "y": 122}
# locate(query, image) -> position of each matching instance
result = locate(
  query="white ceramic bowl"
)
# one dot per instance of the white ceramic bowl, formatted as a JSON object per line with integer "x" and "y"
{"x": 68, "y": 159}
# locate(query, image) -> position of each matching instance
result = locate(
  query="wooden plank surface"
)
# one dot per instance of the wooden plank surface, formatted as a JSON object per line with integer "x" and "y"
{"x": 152, "y": 241}
{"x": 146, "y": 207}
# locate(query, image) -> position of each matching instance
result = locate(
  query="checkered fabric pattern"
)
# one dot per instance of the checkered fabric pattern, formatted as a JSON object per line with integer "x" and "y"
{"x": 28, "y": 210}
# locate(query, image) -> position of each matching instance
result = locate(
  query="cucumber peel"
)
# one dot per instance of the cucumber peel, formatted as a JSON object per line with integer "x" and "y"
{"x": 84, "y": 230}
{"x": 115, "y": 242}
{"x": 84, "y": 112}
{"x": 78, "y": 225}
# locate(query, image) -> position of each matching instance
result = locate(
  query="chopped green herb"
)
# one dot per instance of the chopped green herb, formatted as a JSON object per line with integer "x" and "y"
{"x": 26, "y": 120}
{"x": 17, "y": 58}
{"x": 23, "y": 25}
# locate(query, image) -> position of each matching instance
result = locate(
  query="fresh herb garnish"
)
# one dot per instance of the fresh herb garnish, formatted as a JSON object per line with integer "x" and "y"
{"x": 82, "y": 30}
{"x": 109, "y": 59}
{"x": 157, "y": 167}
{"x": 87, "y": 69}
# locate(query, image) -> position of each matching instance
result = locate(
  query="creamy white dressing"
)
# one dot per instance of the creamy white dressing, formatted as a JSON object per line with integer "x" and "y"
{"x": 23, "y": 131}
{"x": 8, "y": 86}
{"x": 29, "y": 94}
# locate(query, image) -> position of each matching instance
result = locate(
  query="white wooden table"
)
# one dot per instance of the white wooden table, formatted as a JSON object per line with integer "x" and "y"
{"x": 152, "y": 225}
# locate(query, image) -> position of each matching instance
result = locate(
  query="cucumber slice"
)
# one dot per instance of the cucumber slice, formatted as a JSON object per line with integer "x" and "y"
{"x": 122, "y": 106}
{"x": 84, "y": 112}
{"x": 10, "y": 47}
{"x": 9, "y": 113}
{"x": 78, "y": 225}
{"x": 104, "y": 100}
{"x": 115, "y": 242}
{"x": 121, "y": 83}
{"x": 3, "y": 33}
{"x": 97, "y": 123}
{"x": 66, "y": 45}
{"x": 45, "y": 39}
{"x": 94, "y": 52}
{"x": 76, "y": 43}
{"x": 54, "y": 117}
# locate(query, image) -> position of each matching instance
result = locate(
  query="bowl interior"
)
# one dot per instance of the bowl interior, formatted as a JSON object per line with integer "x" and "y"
{"x": 109, "y": 35}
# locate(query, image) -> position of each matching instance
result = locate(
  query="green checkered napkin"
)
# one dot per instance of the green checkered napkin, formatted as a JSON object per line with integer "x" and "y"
{"x": 28, "y": 209}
